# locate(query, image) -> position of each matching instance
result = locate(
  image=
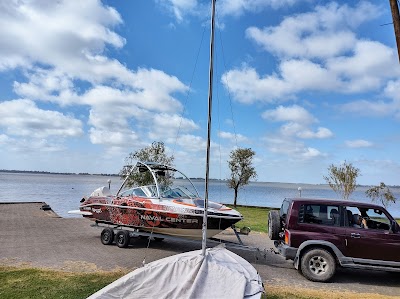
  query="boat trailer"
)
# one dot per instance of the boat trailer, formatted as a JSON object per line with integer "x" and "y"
{"x": 122, "y": 235}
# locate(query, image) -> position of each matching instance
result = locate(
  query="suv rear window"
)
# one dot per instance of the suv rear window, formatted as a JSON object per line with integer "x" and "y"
{"x": 319, "y": 214}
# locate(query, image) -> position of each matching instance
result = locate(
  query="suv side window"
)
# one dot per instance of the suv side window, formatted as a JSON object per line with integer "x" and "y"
{"x": 319, "y": 214}
{"x": 375, "y": 218}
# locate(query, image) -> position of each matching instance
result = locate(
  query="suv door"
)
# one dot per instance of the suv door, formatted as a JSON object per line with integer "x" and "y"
{"x": 374, "y": 242}
{"x": 317, "y": 221}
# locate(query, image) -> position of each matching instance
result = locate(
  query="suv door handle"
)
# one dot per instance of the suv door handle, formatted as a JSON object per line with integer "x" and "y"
{"x": 355, "y": 235}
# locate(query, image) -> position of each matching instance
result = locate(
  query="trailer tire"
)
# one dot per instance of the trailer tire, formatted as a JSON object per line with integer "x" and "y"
{"x": 122, "y": 238}
{"x": 274, "y": 225}
{"x": 107, "y": 236}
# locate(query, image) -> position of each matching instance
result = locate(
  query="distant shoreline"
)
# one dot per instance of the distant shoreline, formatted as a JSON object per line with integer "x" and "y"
{"x": 178, "y": 178}
{"x": 50, "y": 172}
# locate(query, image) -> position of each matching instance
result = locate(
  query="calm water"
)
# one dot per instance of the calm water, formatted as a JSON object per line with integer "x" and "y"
{"x": 63, "y": 192}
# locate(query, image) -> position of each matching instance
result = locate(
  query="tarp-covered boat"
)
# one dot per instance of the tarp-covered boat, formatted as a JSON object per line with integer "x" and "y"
{"x": 218, "y": 274}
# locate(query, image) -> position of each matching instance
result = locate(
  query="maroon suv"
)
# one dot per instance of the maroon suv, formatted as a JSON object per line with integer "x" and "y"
{"x": 320, "y": 234}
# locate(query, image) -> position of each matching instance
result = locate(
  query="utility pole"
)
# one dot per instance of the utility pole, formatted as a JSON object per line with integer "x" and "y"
{"x": 396, "y": 23}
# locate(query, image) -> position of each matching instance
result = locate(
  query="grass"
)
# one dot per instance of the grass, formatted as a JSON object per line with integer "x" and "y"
{"x": 254, "y": 217}
{"x": 19, "y": 283}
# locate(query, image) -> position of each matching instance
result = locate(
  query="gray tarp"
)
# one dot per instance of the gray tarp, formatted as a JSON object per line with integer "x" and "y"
{"x": 222, "y": 274}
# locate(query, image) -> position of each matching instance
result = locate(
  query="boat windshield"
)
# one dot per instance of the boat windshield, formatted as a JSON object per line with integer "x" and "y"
{"x": 176, "y": 192}
{"x": 166, "y": 192}
{"x": 211, "y": 205}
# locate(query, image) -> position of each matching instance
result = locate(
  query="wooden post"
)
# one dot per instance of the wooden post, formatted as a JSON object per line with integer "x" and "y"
{"x": 396, "y": 23}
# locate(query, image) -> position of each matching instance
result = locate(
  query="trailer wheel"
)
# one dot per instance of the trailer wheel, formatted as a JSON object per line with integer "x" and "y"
{"x": 107, "y": 236}
{"x": 122, "y": 238}
{"x": 274, "y": 225}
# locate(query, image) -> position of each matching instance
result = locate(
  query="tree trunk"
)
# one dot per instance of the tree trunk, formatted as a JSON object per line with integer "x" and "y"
{"x": 235, "y": 198}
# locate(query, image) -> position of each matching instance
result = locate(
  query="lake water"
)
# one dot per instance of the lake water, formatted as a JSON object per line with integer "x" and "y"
{"x": 63, "y": 192}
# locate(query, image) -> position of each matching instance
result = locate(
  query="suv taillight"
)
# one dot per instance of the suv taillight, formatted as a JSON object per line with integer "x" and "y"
{"x": 287, "y": 237}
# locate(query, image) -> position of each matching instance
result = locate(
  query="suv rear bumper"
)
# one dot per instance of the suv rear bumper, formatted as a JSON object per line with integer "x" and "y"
{"x": 286, "y": 251}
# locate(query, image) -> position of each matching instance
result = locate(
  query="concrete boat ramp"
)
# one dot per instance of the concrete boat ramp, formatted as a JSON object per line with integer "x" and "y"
{"x": 33, "y": 234}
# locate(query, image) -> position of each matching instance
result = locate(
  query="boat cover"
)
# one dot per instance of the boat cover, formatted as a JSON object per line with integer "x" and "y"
{"x": 221, "y": 274}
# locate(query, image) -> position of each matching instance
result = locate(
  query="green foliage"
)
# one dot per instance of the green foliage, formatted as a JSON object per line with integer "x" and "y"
{"x": 382, "y": 194}
{"x": 342, "y": 179}
{"x": 153, "y": 153}
{"x": 242, "y": 170}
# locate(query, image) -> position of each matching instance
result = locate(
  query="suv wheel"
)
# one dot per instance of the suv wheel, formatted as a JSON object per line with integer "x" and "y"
{"x": 318, "y": 265}
{"x": 274, "y": 225}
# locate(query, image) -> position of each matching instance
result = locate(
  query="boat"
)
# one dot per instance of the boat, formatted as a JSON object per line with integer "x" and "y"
{"x": 218, "y": 274}
{"x": 175, "y": 210}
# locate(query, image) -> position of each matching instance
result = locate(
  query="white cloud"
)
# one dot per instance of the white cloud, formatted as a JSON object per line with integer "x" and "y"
{"x": 291, "y": 148}
{"x": 232, "y": 137}
{"x": 293, "y": 113}
{"x": 247, "y": 86}
{"x": 297, "y": 125}
{"x": 367, "y": 69}
{"x": 359, "y": 143}
{"x": 120, "y": 138}
{"x": 170, "y": 126}
{"x": 65, "y": 64}
{"x": 321, "y": 133}
{"x": 46, "y": 85}
{"x": 180, "y": 9}
{"x": 363, "y": 107}
{"x": 78, "y": 31}
{"x": 24, "y": 118}
{"x": 323, "y": 33}
{"x": 4, "y": 139}
{"x": 316, "y": 51}
{"x": 392, "y": 90}
{"x": 239, "y": 7}
{"x": 192, "y": 143}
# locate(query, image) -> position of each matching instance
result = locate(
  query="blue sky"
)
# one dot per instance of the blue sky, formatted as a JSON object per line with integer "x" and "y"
{"x": 305, "y": 84}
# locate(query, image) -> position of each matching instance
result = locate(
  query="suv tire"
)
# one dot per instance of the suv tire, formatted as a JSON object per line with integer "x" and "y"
{"x": 274, "y": 225}
{"x": 318, "y": 265}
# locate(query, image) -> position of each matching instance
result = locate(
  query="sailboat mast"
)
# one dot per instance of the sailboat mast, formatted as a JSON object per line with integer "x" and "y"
{"x": 210, "y": 94}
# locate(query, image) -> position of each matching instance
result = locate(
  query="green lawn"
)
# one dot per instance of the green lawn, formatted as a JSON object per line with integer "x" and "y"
{"x": 254, "y": 217}
{"x": 19, "y": 283}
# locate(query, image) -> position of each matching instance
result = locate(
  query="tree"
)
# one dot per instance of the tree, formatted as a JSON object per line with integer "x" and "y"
{"x": 342, "y": 179}
{"x": 153, "y": 153}
{"x": 242, "y": 171}
{"x": 381, "y": 193}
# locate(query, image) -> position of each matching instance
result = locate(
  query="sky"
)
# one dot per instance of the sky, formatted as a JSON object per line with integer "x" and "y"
{"x": 304, "y": 83}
